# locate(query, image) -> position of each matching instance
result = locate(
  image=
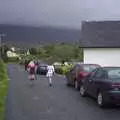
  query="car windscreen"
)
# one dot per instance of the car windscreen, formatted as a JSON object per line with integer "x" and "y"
{"x": 114, "y": 73}
{"x": 43, "y": 66}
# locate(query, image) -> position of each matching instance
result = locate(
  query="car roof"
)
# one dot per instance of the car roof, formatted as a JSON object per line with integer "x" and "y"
{"x": 43, "y": 64}
{"x": 111, "y": 67}
{"x": 87, "y": 64}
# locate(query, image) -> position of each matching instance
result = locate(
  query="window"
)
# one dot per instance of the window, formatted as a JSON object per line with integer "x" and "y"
{"x": 100, "y": 74}
{"x": 89, "y": 68}
{"x": 92, "y": 74}
{"x": 114, "y": 74}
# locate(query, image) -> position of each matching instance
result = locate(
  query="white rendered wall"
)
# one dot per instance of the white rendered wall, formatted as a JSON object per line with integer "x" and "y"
{"x": 102, "y": 56}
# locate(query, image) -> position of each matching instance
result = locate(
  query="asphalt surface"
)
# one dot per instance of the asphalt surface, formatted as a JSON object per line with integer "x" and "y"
{"x": 41, "y": 102}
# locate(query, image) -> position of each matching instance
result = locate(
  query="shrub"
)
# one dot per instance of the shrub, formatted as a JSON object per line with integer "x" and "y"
{"x": 3, "y": 88}
{"x": 66, "y": 68}
{"x": 63, "y": 69}
{"x": 58, "y": 70}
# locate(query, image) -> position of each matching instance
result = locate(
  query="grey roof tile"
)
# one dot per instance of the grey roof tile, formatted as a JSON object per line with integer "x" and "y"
{"x": 100, "y": 34}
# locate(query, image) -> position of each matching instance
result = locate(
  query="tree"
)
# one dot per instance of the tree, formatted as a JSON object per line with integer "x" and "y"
{"x": 33, "y": 51}
{"x": 6, "y": 48}
{"x": 64, "y": 52}
{"x": 42, "y": 52}
{"x": 49, "y": 49}
{"x": 3, "y": 52}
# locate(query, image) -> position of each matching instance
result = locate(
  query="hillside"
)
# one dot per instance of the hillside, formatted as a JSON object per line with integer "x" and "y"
{"x": 27, "y": 35}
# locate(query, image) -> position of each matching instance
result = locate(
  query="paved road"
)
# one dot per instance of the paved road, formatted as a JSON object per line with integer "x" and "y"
{"x": 41, "y": 102}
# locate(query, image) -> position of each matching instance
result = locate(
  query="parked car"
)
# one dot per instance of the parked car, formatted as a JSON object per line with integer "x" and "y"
{"x": 42, "y": 69}
{"x": 78, "y": 72}
{"x": 103, "y": 84}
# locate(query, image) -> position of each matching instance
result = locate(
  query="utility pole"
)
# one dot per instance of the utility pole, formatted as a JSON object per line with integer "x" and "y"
{"x": 1, "y": 47}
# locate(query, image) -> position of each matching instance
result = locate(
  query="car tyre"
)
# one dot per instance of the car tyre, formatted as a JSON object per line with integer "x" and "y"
{"x": 100, "y": 99}
{"x": 82, "y": 91}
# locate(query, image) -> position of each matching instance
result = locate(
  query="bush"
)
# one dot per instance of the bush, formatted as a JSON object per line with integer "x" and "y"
{"x": 4, "y": 57}
{"x": 22, "y": 62}
{"x": 3, "y": 88}
{"x": 63, "y": 69}
{"x": 66, "y": 68}
{"x": 59, "y": 70}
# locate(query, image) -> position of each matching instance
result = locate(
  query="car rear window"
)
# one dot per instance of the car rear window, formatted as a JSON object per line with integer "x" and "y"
{"x": 43, "y": 67}
{"x": 114, "y": 73}
{"x": 89, "y": 68}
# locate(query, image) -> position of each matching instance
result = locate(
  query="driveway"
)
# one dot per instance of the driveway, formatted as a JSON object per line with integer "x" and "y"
{"x": 41, "y": 102}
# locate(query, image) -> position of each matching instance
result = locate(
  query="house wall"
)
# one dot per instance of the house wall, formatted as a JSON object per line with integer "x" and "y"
{"x": 102, "y": 56}
{"x": 11, "y": 54}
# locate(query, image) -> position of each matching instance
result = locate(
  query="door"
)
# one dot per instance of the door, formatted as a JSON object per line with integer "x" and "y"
{"x": 95, "y": 82}
{"x": 89, "y": 81}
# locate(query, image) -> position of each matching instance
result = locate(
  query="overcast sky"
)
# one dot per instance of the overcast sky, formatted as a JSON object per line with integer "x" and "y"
{"x": 66, "y": 13}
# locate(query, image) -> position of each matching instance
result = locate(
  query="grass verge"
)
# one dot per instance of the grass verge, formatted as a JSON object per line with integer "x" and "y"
{"x": 3, "y": 88}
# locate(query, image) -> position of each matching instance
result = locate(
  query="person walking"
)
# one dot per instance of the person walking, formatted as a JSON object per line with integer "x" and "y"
{"x": 50, "y": 73}
{"x": 26, "y": 64}
{"x": 31, "y": 68}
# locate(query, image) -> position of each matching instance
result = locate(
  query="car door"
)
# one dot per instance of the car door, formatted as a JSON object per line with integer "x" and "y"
{"x": 71, "y": 75}
{"x": 88, "y": 81}
{"x": 95, "y": 81}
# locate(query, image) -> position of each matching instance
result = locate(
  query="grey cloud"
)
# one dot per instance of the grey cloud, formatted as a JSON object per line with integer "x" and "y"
{"x": 57, "y": 12}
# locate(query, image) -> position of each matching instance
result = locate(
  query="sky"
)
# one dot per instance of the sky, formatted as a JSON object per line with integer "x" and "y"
{"x": 62, "y": 13}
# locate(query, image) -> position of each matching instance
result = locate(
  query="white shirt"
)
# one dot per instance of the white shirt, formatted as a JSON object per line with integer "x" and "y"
{"x": 50, "y": 70}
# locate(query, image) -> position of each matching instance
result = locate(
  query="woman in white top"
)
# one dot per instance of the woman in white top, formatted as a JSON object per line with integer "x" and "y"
{"x": 50, "y": 73}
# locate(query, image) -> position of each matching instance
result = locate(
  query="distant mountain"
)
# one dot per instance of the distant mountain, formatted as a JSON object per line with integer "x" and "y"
{"x": 27, "y": 35}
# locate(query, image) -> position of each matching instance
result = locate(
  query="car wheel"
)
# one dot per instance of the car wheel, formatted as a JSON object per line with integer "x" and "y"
{"x": 76, "y": 85}
{"x": 100, "y": 99}
{"x": 82, "y": 91}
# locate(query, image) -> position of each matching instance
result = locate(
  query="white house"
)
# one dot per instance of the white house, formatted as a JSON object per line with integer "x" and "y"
{"x": 100, "y": 41}
{"x": 13, "y": 49}
{"x": 11, "y": 54}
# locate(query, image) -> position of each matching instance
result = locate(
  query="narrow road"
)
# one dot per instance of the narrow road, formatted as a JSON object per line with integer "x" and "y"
{"x": 41, "y": 102}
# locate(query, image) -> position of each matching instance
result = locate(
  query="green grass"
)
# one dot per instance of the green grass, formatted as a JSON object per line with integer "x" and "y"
{"x": 3, "y": 88}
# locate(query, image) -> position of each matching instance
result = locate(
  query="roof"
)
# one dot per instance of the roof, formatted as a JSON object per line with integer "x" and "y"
{"x": 84, "y": 64}
{"x": 99, "y": 34}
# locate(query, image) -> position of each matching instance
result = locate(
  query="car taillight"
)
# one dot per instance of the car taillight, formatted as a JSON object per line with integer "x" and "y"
{"x": 82, "y": 74}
